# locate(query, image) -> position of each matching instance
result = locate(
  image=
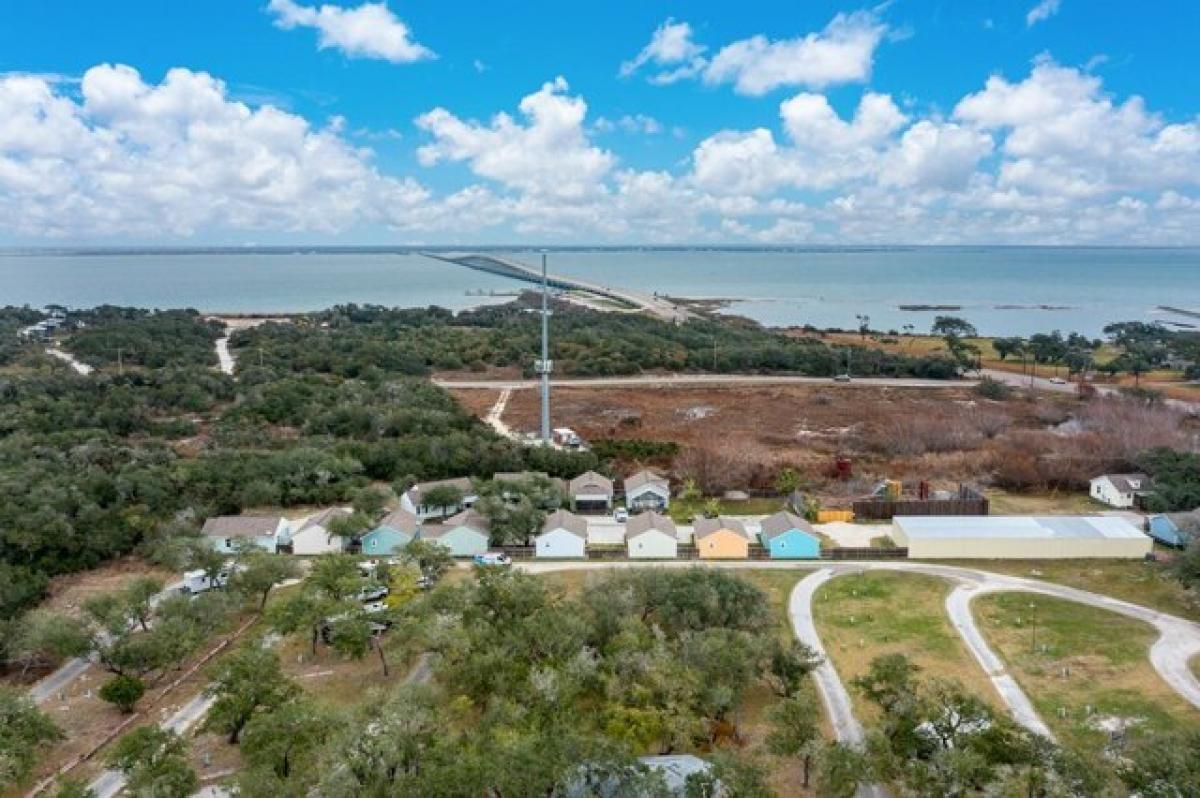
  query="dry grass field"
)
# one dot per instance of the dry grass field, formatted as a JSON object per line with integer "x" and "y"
{"x": 741, "y": 436}
{"x": 1086, "y": 670}
{"x": 865, "y": 616}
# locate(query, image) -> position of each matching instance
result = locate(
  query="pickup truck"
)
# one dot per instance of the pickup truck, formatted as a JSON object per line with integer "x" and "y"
{"x": 492, "y": 558}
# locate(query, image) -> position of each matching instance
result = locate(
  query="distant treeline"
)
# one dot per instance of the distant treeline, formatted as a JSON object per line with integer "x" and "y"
{"x": 95, "y": 467}
{"x": 354, "y": 340}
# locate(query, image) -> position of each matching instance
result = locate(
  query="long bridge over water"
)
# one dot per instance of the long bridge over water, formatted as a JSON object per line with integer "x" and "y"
{"x": 507, "y": 267}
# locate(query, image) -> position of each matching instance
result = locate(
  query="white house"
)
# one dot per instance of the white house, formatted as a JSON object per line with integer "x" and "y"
{"x": 315, "y": 535}
{"x": 563, "y": 534}
{"x": 414, "y": 502}
{"x": 1120, "y": 490}
{"x": 224, "y": 531}
{"x": 651, "y": 536}
{"x": 646, "y": 490}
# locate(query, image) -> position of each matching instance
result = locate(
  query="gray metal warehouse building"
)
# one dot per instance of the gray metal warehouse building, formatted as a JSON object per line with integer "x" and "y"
{"x": 1020, "y": 537}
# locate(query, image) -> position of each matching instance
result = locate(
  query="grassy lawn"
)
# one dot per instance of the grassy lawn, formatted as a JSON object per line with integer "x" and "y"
{"x": 1052, "y": 503}
{"x": 1140, "y": 582}
{"x": 864, "y": 616}
{"x": 683, "y": 511}
{"x": 1082, "y": 666}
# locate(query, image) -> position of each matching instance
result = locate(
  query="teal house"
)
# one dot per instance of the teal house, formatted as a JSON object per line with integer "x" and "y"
{"x": 1174, "y": 529}
{"x": 392, "y": 534}
{"x": 465, "y": 534}
{"x": 789, "y": 537}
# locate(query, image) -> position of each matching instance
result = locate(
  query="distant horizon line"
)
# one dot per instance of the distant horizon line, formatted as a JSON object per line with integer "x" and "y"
{"x": 284, "y": 249}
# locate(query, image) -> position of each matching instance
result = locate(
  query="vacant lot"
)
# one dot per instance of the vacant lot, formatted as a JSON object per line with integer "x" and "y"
{"x": 865, "y": 616}
{"x": 740, "y": 436}
{"x": 69, "y": 591}
{"x": 1086, "y": 669}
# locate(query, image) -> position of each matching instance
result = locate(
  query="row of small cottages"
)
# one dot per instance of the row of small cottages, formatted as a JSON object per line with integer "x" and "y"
{"x": 589, "y": 492}
{"x": 564, "y": 535}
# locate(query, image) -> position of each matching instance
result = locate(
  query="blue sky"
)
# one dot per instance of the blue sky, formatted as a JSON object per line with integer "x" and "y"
{"x": 292, "y": 121}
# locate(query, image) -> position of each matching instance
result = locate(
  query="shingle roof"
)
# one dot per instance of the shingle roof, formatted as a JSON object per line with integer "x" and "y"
{"x": 703, "y": 527}
{"x": 400, "y": 520}
{"x": 325, "y": 518}
{"x": 241, "y": 526}
{"x": 642, "y": 478}
{"x": 462, "y": 483}
{"x": 467, "y": 518}
{"x": 644, "y": 522}
{"x": 1125, "y": 482}
{"x": 782, "y": 522}
{"x": 561, "y": 519}
{"x": 590, "y": 481}
{"x": 518, "y": 476}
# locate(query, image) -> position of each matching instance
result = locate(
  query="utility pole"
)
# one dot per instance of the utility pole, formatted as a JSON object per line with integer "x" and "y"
{"x": 544, "y": 365}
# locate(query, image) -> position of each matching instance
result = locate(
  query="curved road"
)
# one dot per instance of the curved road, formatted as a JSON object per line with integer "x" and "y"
{"x": 1177, "y": 644}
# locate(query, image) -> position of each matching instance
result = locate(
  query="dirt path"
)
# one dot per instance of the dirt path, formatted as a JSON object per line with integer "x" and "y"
{"x": 224, "y": 356}
{"x": 57, "y": 351}
{"x": 495, "y": 416}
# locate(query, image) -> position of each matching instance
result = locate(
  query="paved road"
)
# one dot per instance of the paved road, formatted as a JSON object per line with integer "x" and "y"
{"x": 672, "y": 380}
{"x": 110, "y": 783}
{"x": 72, "y": 669}
{"x": 1044, "y": 384}
{"x": 833, "y": 693}
{"x": 1177, "y": 644}
{"x": 958, "y": 606}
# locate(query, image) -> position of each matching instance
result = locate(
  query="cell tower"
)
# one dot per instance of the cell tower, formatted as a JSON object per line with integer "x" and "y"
{"x": 545, "y": 366}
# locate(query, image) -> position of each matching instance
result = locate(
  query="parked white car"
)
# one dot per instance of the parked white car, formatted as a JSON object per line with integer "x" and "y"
{"x": 621, "y": 515}
{"x": 195, "y": 582}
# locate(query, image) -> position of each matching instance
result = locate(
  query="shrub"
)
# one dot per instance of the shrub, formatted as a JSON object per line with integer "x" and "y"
{"x": 123, "y": 692}
{"x": 993, "y": 389}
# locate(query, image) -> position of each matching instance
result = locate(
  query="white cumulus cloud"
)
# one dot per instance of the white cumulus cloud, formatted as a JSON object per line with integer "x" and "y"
{"x": 175, "y": 158}
{"x": 1042, "y": 12}
{"x": 843, "y": 52}
{"x": 671, "y": 46}
{"x": 370, "y": 30}
{"x": 549, "y": 154}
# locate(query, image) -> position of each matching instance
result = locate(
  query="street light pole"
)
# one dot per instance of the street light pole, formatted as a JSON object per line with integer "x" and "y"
{"x": 544, "y": 366}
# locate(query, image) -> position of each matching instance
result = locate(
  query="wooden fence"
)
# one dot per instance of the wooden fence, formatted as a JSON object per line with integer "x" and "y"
{"x": 968, "y": 502}
{"x": 692, "y": 553}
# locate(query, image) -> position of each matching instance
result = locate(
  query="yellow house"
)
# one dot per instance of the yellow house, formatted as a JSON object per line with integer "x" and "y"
{"x": 721, "y": 539}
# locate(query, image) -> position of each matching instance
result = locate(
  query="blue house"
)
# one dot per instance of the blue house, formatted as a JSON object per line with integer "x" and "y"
{"x": 789, "y": 537}
{"x": 392, "y": 534}
{"x": 1174, "y": 529}
{"x": 465, "y": 534}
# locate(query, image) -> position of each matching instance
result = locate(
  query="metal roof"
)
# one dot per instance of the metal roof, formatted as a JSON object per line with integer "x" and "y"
{"x": 1023, "y": 527}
